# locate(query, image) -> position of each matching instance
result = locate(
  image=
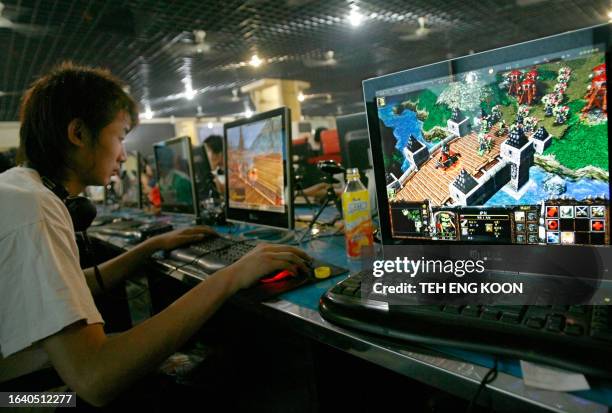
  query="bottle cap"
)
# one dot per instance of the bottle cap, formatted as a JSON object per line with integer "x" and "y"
{"x": 322, "y": 272}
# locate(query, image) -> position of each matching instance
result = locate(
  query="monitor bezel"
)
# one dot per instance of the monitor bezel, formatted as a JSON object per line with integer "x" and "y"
{"x": 600, "y": 34}
{"x": 342, "y": 123}
{"x": 194, "y": 193}
{"x": 264, "y": 218}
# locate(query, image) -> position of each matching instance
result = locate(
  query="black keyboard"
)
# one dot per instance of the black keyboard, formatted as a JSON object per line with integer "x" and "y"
{"x": 576, "y": 337}
{"x": 134, "y": 230}
{"x": 213, "y": 253}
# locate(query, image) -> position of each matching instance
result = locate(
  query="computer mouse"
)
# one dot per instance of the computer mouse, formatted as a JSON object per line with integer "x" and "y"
{"x": 278, "y": 276}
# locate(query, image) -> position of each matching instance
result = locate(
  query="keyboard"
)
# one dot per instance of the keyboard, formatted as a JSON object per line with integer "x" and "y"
{"x": 213, "y": 253}
{"x": 576, "y": 337}
{"x": 133, "y": 229}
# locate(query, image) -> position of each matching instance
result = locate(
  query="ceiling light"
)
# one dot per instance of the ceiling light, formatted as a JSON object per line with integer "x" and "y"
{"x": 148, "y": 113}
{"x": 301, "y": 97}
{"x": 248, "y": 113}
{"x": 355, "y": 18}
{"x": 210, "y": 125}
{"x": 189, "y": 92}
{"x": 255, "y": 61}
{"x": 610, "y": 15}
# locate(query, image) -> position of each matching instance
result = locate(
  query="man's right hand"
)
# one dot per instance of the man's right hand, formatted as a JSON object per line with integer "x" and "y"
{"x": 264, "y": 259}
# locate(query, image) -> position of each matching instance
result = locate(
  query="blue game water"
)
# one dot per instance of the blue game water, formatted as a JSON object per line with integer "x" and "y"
{"x": 403, "y": 126}
{"x": 578, "y": 190}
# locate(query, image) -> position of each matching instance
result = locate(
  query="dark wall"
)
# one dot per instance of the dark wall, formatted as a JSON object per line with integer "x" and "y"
{"x": 144, "y": 136}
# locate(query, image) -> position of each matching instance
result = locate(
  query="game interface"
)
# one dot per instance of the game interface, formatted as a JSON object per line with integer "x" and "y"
{"x": 256, "y": 165}
{"x": 516, "y": 153}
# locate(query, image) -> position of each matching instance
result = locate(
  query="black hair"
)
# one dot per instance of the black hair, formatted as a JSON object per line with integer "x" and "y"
{"x": 317, "y": 135}
{"x": 214, "y": 143}
{"x": 68, "y": 92}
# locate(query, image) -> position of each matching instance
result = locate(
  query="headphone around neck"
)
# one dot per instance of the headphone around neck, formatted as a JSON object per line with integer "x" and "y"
{"x": 82, "y": 211}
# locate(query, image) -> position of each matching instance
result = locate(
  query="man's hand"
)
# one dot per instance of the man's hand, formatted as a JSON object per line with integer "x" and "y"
{"x": 264, "y": 259}
{"x": 178, "y": 237}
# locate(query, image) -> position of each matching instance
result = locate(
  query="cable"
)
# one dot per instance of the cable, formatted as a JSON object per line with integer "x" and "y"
{"x": 488, "y": 378}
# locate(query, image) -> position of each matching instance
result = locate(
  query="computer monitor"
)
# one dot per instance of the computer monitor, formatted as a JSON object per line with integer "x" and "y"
{"x": 129, "y": 188}
{"x": 96, "y": 194}
{"x": 203, "y": 176}
{"x": 175, "y": 176}
{"x": 508, "y": 146}
{"x": 257, "y": 154}
{"x": 354, "y": 141}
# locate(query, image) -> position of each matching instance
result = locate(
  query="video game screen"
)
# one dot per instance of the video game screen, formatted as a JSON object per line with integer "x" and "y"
{"x": 515, "y": 153}
{"x": 174, "y": 175}
{"x": 255, "y": 165}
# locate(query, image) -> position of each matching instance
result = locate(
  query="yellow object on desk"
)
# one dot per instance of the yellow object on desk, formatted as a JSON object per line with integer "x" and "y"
{"x": 322, "y": 272}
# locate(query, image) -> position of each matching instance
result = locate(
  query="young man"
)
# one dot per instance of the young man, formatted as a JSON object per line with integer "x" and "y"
{"x": 73, "y": 123}
{"x": 214, "y": 151}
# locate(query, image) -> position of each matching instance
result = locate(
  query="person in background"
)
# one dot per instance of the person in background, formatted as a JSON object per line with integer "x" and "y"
{"x": 73, "y": 124}
{"x": 214, "y": 151}
{"x": 318, "y": 148}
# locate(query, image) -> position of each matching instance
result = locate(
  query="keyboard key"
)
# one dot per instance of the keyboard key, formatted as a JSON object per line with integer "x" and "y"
{"x": 573, "y": 329}
{"x": 490, "y": 314}
{"x": 535, "y": 322}
{"x": 452, "y": 309}
{"x": 577, "y": 309}
{"x": 471, "y": 311}
{"x": 510, "y": 318}
{"x": 555, "y": 323}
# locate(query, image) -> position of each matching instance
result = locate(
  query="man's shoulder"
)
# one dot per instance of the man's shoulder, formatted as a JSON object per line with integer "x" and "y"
{"x": 23, "y": 184}
{"x": 23, "y": 198}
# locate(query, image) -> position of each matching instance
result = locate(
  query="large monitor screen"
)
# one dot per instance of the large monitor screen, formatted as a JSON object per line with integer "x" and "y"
{"x": 508, "y": 146}
{"x": 257, "y": 159}
{"x": 174, "y": 166}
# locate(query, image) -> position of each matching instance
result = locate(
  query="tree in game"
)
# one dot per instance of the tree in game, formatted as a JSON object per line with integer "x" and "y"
{"x": 466, "y": 95}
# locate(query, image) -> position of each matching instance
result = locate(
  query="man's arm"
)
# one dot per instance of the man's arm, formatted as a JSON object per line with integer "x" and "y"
{"x": 99, "y": 368}
{"x": 117, "y": 269}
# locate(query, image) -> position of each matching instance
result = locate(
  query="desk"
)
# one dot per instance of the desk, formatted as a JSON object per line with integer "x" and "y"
{"x": 454, "y": 371}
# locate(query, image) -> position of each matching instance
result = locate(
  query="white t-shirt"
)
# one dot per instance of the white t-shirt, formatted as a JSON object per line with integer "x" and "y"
{"x": 42, "y": 287}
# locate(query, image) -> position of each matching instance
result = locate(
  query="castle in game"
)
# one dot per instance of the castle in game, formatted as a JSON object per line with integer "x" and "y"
{"x": 465, "y": 153}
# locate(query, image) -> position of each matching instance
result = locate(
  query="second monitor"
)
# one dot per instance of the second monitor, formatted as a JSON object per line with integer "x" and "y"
{"x": 175, "y": 173}
{"x": 257, "y": 154}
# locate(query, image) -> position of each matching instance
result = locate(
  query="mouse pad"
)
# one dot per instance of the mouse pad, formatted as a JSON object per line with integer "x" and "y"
{"x": 266, "y": 291}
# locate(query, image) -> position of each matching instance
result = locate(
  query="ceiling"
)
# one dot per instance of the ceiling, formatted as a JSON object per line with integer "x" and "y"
{"x": 153, "y": 45}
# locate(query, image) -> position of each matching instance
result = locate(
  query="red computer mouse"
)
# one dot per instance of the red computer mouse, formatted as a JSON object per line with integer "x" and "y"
{"x": 277, "y": 276}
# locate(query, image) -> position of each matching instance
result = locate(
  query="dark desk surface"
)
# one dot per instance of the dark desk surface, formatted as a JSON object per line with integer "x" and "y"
{"x": 455, "y": 371}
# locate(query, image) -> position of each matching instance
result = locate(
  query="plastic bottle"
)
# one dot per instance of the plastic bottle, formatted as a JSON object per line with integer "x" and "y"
{"x": 357, "y": 218}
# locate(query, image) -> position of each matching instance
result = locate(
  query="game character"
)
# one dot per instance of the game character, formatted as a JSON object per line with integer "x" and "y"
{"x": 445, "y": 225}
{"x": 485, "y": 143}
{"x": 447, "y": 157}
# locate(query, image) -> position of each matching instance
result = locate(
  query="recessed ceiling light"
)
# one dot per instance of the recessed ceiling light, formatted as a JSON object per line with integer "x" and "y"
{"x": 189, "y": 93}
{"x": 210, "y": 125}
{"x": 148, "y": 113}
{"x": 301, "y": 97}
{"x": 255, "y": 61}
{"x": 355, "y": 18}
{"x": 248, "y": 113}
